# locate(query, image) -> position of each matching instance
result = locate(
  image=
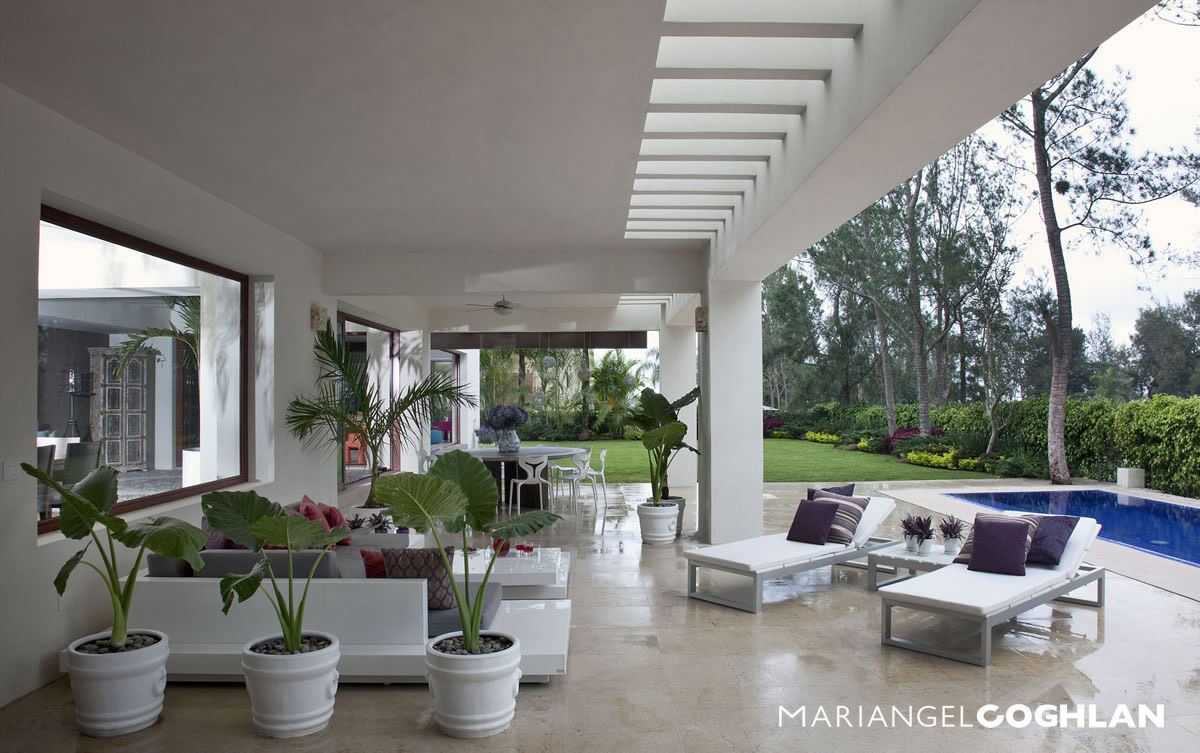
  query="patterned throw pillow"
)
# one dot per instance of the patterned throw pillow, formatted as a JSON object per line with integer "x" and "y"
{"x": 849, "y": 514}
{"x": 423, "y": 563}
{"x": 846, "y": 490}
{"x": 964, "y": 555}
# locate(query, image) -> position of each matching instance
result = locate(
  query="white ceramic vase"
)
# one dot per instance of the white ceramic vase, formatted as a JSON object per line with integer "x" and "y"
{"x": 925, "y": 546}
{"x": 118, "y": 693}
{"x": 953, "y": 546}
{"x": 473, "y": 695}
{"x": 910, "y": 543}
{"x": 658, "y": 523}
{"x": 291, "y": 694}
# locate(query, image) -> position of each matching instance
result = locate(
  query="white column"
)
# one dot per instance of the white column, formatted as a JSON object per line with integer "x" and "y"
{"x": 678, "y": 375}
{"x": 731, "y": 484}
{"x": 412, "y": 365}
{"x": 468, "y": 376}
{"x": 220, "y": 377}
{"x": 379, "y": 375}
{"x": 163, "y": 457}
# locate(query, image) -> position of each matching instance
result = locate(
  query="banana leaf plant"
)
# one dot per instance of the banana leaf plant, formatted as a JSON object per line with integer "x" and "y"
{"x": 662, "y": 435}
{"x": 348, "y": 403}
{"x": 459, "y": 495}
{"x": 256, "y": 522}
{"x": 86, "y": 514}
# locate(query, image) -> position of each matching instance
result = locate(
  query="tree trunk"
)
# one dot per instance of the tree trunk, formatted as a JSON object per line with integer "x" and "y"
{"x": 913, "y": 301}
{"x": 962, "y": 362}
{"x": 885, "y": 364}
{"x": 1061, "y": 339}
{"x": 940, "y": 389}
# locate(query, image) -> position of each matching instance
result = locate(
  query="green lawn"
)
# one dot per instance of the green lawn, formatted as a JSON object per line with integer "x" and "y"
{"x": 783, "y": 460}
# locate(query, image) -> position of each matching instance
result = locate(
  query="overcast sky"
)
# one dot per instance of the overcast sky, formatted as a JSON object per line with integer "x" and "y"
{"x": 1164, "y": 106}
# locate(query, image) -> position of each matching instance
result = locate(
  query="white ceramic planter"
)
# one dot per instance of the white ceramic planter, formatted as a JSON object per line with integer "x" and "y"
{"x": 658, "y": 523}
{"x": 925, "y": 546}
{"x": 374, "y": 540}
{"x": 116, "y": 694}
{"x": 293, "y": 694}
{"x": 953, "y": 546}
{"x": 910, "y": 543}
{"x": 474, "y": 695}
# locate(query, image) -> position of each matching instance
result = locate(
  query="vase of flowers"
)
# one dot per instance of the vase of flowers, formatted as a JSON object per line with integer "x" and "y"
{"x": 505, "y": 419}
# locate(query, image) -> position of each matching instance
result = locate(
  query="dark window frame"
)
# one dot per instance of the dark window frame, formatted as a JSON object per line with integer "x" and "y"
{"x": 393, "y": 350}
{"x": 119, "y": 237}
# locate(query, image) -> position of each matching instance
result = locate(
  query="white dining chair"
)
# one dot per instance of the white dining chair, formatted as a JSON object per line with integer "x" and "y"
{"x": 534, "y": 468}
{"x": 579, "y": 473}
{"x": 594, "y": 474}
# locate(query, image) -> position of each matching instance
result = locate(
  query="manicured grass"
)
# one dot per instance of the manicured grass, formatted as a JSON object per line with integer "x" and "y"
{"x": 783, "y": 460}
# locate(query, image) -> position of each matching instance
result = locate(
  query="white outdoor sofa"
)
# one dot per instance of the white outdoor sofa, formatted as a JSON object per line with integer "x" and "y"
{"x": 988, "y": 599}
{"x": 772, "y": 556}
{"x": 381, "y": 623}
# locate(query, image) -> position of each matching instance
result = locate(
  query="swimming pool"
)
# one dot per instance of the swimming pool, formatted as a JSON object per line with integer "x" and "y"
{"x": 1161, "y": 528}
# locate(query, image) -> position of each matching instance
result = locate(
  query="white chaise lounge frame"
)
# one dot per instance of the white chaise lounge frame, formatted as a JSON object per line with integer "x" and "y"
{"x": 878, "y": 509}
{"x": 1081, "y": 575}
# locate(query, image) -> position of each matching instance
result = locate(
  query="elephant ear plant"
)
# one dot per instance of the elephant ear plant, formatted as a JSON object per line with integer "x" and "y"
{"x": 88, "y": 505}
{"x": 256, "y": 522}
{"x": 662, "y": 435}
{"x": 457, "y": 494}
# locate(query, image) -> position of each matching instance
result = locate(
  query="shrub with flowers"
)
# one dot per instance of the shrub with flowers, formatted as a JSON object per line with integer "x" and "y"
{"x": 770, "y": 425}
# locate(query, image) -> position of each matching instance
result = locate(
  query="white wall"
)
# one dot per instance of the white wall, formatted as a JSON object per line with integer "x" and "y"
{"x": 44, "y": 157}
{"x": 677, "y": 364}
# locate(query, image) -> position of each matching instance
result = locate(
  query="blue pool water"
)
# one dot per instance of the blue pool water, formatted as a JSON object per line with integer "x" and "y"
{"x": 1171, "y": 531}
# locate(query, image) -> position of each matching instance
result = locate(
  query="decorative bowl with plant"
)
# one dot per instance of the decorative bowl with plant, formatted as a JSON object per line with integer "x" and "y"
{"x": 117, "y": 689}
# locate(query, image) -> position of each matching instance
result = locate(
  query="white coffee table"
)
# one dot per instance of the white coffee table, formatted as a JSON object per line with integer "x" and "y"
{"x": 542, "y": 574}
{"x": 898, "y": 558}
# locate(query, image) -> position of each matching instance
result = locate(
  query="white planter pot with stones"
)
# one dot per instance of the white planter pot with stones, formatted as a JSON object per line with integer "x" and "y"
{"x": 474, "y": 695}
{"x": 117, "y": 693}
{"x": 291, "y": 694}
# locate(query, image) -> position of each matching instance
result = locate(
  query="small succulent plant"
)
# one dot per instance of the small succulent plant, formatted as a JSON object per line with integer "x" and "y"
{"x": 952, "y": 528}
{"x": 356, "y": 523}
{"x": 919, "y": 527}
{"x": 379, "y": 523}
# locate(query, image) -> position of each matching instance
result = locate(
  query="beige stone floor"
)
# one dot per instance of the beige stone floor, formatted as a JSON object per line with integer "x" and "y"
{"x": 651, "y": 670}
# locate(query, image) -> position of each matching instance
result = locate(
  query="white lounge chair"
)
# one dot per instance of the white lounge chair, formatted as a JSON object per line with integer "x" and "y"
{"x": 773, "y": 556}
{"x": 988, "y": 599}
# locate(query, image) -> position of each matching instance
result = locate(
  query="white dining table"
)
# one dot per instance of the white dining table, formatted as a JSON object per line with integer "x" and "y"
{"x": 493, "y": 456}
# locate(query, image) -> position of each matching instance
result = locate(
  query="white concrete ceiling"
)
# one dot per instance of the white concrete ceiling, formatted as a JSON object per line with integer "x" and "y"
{"x": 540, "y": 147}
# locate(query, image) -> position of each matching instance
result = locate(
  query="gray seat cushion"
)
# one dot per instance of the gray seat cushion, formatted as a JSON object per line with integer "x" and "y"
{"x": 447, "y": 620}
{"x": 221, "y": 562}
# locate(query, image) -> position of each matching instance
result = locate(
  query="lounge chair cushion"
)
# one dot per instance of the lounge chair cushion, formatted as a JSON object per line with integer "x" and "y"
{"x": 847, "y": 518}
{"x": 762, "y": 553}
{"x": 957, "y": 589}
{"x": 878, "y": 509}
{"x": 1051, "y": 538}
{"x": 1000, "y": 547}
{"x": 848, "y": 490}
{"x": 811, "y": 523}
{"x": 1076, "y": 549}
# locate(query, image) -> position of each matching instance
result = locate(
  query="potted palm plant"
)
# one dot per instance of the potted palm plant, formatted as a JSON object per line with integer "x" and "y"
{"x": 473, "y": 675}
{"x": 661, "y": 515}
{"x": 291, "y": 677}
{"x": 346, "y": 403}
{"x": 117, "y": 676}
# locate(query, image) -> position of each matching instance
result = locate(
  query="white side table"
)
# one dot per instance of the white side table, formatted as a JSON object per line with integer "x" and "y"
{"x": 896, "y": 557}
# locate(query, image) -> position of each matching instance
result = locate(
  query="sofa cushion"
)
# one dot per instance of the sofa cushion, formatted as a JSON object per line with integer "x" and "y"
{"x": 216, "y": 539}
{"x": 811, "y": 523}
{"x": 958, "y": 589}
{"x": 334, "y": 518}
{"x": 443, "y": 621}
{"x": 373, "y": 565}
{"x": 423, "y": 563}
{"x": 846, "y": 520}
{"x": 846, "y": 490}
{"x": 1000, "y": 547}
{"x": 761, "y": 553}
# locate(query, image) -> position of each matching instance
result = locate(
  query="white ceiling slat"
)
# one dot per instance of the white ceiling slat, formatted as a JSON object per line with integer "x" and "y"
{"x": 716, "y": 135}
{"x": 693, "y": 176}
{"x": 665, "y": 91}
{"x": 705, "y": 158}
{"x": 743, "y": 74}
{"x": 726, "y": 108}
{"x": 752, "y": 29}
{"x": 725, "y": 52}
{"x": 829, "y": 11}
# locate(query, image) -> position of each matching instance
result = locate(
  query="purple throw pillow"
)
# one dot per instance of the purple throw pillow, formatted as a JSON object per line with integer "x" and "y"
{"x": 812, "y": 521}
{"x": 216, "y": 539}
{"x": 1050, "y": 539}
{"x": 846, "y": 490}
{"x": 1000, "y": 547}
{"x": 849, "y": 514}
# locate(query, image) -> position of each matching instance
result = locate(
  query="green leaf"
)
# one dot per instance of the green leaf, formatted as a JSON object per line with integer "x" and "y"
{"x": 168, "y": 537}
{"x": 669, "y": 435}
{"x": 99, "y": 488}
{"x": 242, "y": 585}
{"x": 79, "y": 515}
{"x": 234, "y": 514}
{"x": 687, "y": 399}
{"x": 416, "y": 501}
{"x": 477, "y": 484}
{"x": 64, "y": 572}
{"x": 295, "y": 532}
{"x": 525, "y": 524}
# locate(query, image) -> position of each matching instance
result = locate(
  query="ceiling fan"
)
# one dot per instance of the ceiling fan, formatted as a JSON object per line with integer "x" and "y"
{"x": 502, "y": 307}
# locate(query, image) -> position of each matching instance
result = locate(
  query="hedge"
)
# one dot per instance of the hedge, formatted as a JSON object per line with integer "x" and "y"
{"x": 1160, "y": 434}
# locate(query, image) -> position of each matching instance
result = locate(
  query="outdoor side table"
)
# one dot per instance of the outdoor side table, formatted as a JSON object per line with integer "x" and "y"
{"x": 897, "y": 558}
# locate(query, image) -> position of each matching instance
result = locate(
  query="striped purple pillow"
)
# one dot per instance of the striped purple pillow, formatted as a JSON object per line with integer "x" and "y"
{"x": 849, "y": 514}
